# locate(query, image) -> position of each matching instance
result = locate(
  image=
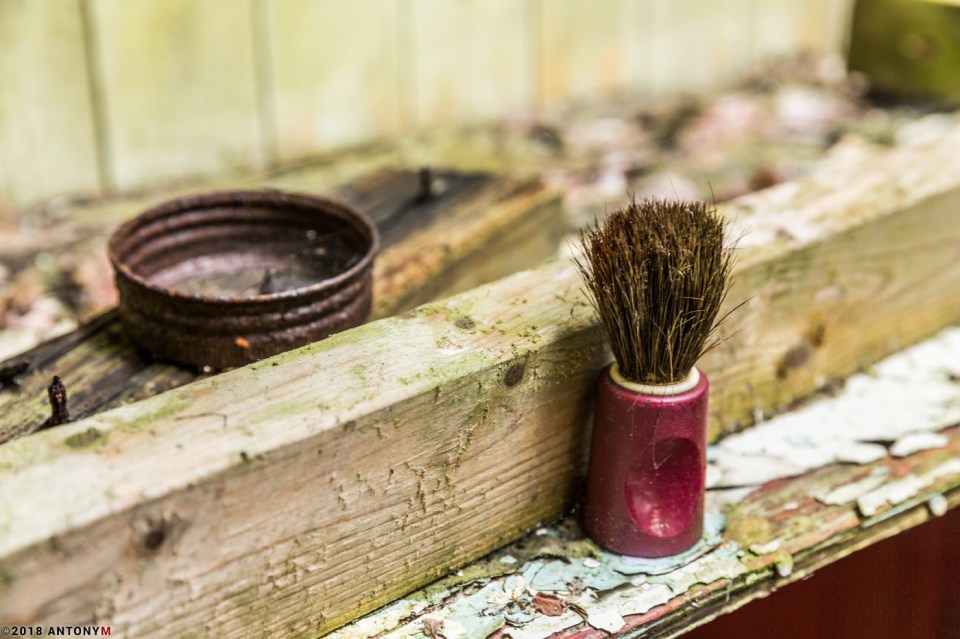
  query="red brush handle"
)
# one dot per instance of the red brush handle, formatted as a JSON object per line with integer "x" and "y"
{"x": 645, "y": 485}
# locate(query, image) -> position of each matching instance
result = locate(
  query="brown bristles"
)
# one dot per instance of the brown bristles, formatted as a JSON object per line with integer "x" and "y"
{"x": 657, "y": 272}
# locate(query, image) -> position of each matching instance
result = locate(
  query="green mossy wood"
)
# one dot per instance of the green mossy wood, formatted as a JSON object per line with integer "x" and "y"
{"x": 295, "y": 494}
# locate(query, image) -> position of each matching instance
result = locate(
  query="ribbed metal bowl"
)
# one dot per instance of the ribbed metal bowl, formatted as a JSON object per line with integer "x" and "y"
{"x": 224, "y": 279}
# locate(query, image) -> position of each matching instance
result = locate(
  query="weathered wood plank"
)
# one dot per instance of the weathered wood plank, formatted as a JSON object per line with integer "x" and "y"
{"x": 477, "y": 228}
{"x": 47, "y": 140}
{"x": 777, "y": 535}
{"x": 793, "y": 511}
{"x": 871, "y": 268}
{"x": 332, "y": 72}
{"x": 309, "y": 575}
{"x": 299, "y": 492}
{"x": 177, "y": 88}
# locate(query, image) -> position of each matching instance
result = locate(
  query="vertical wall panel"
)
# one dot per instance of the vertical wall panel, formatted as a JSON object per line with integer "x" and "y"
{"x": 837, "y": 32}
{"x": 787, "y": 27}
{"x": 47, "y": 142}
{"x": 585, "y": 48}
{"x": 702, "y": 46}
{"x": 642, "y": 45}
{"x": 334, "y": 73}
{"x": 177, "y": 88}
{"x": 471, "y": 60}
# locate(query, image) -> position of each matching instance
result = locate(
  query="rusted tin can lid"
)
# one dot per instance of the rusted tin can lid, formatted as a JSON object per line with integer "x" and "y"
{"x": 224, "y": 279}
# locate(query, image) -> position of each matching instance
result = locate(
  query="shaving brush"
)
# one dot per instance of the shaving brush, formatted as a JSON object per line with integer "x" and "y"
{"x": 657, "y": 273}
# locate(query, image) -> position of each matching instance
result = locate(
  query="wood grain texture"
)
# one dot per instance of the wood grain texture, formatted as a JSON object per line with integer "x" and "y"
{"x": 47, "y": 140}
{"x": 778, "y": 534}
{"x": 477, "y": 228}
{"x": 867, "y": 266}
{"x": 429, "y": 387}
{"x": 297, "y": 493}
{"x": 178, "y": 89}
{"x": 792, "y": 511}
{"x": 332, "y": 74}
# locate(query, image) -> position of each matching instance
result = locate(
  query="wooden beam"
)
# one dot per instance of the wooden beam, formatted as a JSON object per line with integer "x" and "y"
{"x": 300, "y": 492}
{"x": 478, "y": 227}
{"x": 792, "y": 511}
{"x": 777, "y": 535}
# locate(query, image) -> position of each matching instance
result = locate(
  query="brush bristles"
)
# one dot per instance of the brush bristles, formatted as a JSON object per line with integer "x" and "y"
{"x": 657, "y": 272}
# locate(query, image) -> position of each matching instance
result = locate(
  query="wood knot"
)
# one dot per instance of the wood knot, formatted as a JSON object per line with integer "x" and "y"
{"x": 514, "y": 374}
{"x": 794, "y": 358}
{"x": 154, "y": 539}
{"x": 465, "y": 322}
{"x": 151, "y": 534}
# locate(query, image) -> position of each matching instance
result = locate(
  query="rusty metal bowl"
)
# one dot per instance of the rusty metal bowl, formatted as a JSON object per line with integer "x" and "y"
{"x": 223, "y": 279}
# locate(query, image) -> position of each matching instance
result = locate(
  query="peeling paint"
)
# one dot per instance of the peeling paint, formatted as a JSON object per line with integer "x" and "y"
{"x": 899, "y": 407}
{"x": 605, "y": 617}
{"x": 905, "y": 400}
{"x": 590, "y": 583}
{"x": 915, "y": 442}
{"x": 903, "y": 489}
{"x": 854, "y": 490}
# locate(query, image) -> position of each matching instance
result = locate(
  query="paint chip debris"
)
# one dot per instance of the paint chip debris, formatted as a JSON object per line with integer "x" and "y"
{"x": 765, "y": 549}
{"x": 590, "y": 562}
{"x": 508, "y": 559}
{"x": 784, "y": 565}
{"x": 548, "y": 604}
{"x": 938, "y": 505}
{"x": 605, "y": 617}
{"x": 453, "y": 628}
{"x": 432, "y": 628}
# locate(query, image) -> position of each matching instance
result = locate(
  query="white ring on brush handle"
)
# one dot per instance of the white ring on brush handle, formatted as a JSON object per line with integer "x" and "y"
{"x": 655, "y": 389}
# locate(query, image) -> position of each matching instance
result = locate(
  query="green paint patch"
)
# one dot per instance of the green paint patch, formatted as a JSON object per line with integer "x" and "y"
{"x": 86, "y": 438}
